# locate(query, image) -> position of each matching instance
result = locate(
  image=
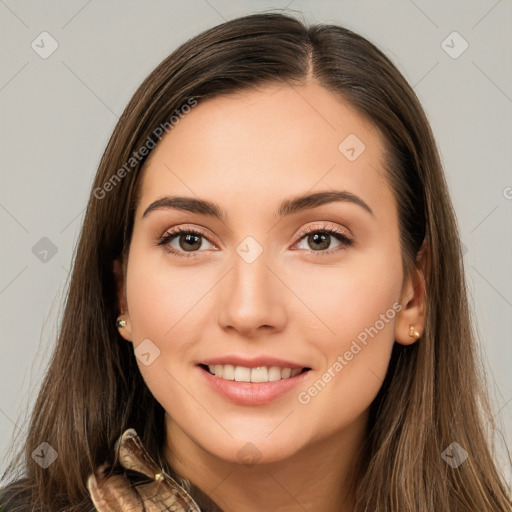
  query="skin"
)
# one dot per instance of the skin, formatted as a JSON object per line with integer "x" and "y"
{"x": 247, "y": 153}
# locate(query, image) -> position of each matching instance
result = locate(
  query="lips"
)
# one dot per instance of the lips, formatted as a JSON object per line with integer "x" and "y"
{"x": 255, "y": 381}
{"x": 252, "y": 362}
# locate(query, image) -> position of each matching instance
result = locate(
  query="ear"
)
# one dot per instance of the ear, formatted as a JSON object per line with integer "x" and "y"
{"x": 119, "y": 274}
{"x": 410, "y": 324}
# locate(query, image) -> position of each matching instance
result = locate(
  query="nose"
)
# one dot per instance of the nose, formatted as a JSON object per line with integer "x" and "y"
{"x": 253, "y": 299}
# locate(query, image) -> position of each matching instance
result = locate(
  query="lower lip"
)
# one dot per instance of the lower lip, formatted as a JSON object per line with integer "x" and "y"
{"x": 252, "y": 393}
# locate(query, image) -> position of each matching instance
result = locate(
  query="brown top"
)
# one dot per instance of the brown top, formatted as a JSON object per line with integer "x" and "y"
{"x": 151, "y": 489}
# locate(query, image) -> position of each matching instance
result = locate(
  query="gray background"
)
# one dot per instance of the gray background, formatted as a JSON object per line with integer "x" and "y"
{"x": 58, "y": 113}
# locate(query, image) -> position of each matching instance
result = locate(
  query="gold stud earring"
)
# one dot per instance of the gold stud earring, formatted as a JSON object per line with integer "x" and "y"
{"x": 121, "y": 322}
{"x": 413, "y": 333}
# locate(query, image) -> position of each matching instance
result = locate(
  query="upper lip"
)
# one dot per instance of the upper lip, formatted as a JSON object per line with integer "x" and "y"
{"x": 252, "y": 362}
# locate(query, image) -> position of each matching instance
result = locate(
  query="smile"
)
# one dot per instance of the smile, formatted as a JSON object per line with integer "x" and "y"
{"x": 252, "y": 385}
{"x": 258, "y": 374}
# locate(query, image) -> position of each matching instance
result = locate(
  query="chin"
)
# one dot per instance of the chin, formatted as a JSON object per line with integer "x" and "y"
{"x": 250, "y": 448}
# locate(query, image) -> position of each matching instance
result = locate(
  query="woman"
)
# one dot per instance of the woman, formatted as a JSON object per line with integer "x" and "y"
{"x": 267, "y": 309}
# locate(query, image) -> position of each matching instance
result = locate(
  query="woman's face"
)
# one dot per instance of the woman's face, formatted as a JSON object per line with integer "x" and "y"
{"x": 299, "y": 295}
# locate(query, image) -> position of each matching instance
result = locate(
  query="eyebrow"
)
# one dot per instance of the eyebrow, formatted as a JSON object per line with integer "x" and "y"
{"x": 287, "y": 207}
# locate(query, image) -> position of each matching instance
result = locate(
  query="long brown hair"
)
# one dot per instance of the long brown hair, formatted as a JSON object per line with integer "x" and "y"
{"x": 433, "y": 393}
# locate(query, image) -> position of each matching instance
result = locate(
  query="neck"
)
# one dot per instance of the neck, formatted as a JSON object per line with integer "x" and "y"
{"x": 318, "y": 477}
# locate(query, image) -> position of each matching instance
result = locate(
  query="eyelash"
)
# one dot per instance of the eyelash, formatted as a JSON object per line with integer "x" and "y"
{"x": 339, "y": 235}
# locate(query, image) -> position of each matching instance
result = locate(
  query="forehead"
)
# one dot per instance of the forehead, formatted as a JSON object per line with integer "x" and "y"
{"x": 268, "y": 143}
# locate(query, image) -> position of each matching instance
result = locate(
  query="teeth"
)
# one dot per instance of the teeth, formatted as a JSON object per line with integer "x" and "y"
{"x": 259, "y": 374}
{"x": 242, "y": 374}
{"x": 286, "y": 373}
{"x": 274, "y": 373}
{"x": 228, "y": 372}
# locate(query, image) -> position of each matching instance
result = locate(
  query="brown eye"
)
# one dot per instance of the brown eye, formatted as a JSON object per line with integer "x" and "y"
{"x": 189, "y": 242}
{"x": 319, "y": 241}
{"x": 183, "y": 240}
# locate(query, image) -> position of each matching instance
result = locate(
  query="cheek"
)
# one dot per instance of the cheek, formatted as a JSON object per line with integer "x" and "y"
{"x": 167, "y": 306}
{"x": 164, "y": 307}
{"x": 162, "y": 299}
{"x": 358, "y": 307}
{"x": 346, "y": 299}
